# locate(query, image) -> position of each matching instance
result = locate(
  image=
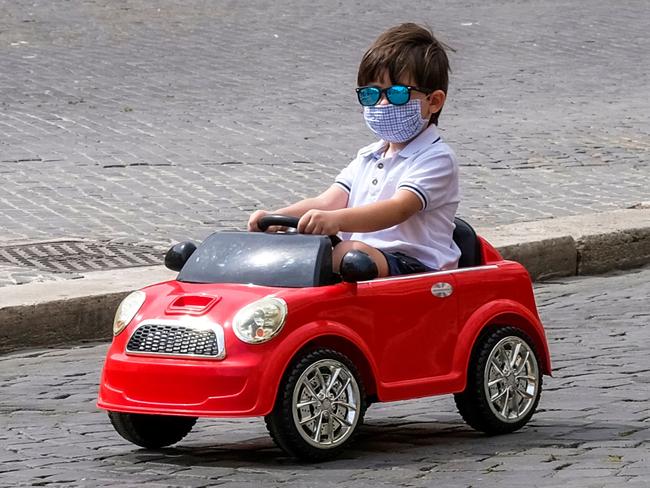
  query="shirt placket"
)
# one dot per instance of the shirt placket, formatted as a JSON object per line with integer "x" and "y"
{"x": 377, "y": 176}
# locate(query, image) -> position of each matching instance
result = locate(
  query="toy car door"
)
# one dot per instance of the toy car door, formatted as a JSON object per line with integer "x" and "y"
{"x": 415, "y": 319}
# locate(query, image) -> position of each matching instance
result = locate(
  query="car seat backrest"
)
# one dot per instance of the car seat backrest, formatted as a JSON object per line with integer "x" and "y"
{"x": 469, "y": 245}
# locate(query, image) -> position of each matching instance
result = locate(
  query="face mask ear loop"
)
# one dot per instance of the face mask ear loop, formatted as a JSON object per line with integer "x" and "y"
{"x": 434, "y": 118}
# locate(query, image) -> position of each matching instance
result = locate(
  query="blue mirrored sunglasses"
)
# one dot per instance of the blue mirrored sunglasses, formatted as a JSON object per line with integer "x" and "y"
{"x": 396, "y": 94}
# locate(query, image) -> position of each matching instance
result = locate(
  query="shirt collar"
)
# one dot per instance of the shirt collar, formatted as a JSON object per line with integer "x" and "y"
{"x": 428, "y": 136}
{"x": 425, "y": 138}
{"x": 376, "y": 149}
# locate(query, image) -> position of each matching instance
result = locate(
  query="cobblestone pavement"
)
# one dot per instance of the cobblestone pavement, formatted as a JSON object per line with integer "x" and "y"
{"x": 147, "y": 123}
{"x": 592, "y": 428}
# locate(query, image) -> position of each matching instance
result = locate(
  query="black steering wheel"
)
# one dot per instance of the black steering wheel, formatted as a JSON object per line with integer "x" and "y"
{"x": 276, "y": 219}
{"x": 286, "y": 221}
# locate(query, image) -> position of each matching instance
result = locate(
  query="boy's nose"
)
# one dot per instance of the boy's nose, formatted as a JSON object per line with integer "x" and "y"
{"x": 383, "y": 100}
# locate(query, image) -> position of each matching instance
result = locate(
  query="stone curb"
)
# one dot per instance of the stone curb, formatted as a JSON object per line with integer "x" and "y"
{"x": 577, "y": 245}
{"x": 72, "y": 311}
{"x": 68, "y": 312}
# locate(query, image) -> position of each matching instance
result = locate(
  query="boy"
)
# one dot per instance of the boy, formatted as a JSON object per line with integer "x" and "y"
{"x": 396, "y": 201}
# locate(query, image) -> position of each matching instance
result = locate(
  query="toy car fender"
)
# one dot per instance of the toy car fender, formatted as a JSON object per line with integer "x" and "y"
{"x": 321, "y": 333}
{"x": 494, "y": 314}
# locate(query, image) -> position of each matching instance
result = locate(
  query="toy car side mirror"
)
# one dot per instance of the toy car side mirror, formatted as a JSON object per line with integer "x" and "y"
{"x": 178, "y": 255}
{"x": 357, "y": 266}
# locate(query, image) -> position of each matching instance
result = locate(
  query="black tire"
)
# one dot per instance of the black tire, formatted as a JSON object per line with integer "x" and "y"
{"x": 477, "y": 406}
{"x": 151, "y": 431}
{"x": 283, "y": 421}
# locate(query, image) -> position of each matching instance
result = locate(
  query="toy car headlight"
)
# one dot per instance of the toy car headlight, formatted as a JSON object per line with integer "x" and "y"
{"x": 261, "y": 320}
{"x": 127, "y": 310}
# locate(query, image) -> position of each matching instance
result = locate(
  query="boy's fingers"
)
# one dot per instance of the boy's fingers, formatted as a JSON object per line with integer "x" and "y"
{"x": 302, "y": 224}
{"x": 254, "y": 219}
{"x": 276, "y": 228}
{"x": 316, "y": 226}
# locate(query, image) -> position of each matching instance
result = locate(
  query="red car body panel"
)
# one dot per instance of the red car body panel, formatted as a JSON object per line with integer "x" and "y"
{"x": 407, "y": 342}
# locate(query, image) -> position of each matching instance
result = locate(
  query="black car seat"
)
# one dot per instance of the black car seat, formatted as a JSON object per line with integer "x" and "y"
{"x": 469, "y": 245}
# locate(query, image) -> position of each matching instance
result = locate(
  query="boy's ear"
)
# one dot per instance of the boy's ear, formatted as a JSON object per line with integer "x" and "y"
{"x": 436, "y": 101}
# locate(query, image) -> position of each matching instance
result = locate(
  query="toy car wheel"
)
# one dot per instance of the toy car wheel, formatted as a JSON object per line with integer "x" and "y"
{"x": 504, "y": 382}
{"x": 320, "y": 405}
{"x": 151, "y": 431}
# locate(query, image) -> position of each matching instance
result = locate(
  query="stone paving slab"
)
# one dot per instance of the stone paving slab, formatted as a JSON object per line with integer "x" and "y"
{"x": 591, "y": 429}
{"x": 156, "y": 122}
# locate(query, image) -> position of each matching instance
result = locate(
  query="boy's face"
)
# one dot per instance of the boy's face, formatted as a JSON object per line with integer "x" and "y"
{"x": 429, "y": 104}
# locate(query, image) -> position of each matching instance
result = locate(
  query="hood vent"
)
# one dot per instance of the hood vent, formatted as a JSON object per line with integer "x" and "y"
{"x": 192, "y": 304}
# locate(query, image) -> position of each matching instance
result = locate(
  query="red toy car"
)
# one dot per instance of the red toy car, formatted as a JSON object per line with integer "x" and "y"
{"x": 256, "y": 324}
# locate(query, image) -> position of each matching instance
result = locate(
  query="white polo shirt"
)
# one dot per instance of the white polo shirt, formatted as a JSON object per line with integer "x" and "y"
{"x": 427, "y": 167}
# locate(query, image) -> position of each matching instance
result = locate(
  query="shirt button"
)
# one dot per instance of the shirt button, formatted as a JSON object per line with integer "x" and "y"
{"x": 374, "y": 182}
{"x": 380, "y": 165}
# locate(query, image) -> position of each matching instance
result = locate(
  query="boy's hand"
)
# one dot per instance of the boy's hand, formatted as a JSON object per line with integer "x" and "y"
{"x": 323, "y": 222}
{"x": 254, "y": 219}
{"x": 253, "y": 222}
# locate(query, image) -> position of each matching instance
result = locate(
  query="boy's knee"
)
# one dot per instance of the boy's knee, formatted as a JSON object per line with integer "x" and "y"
{"x": 346, "y": 246}
{"x": 342, "y": 248}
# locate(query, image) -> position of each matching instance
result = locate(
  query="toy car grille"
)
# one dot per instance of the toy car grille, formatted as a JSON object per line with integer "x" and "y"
{"x": 174, "y": 340}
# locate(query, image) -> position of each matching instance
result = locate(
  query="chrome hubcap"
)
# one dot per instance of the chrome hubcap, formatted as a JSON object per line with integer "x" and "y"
{"x": 326, "y": 404}
{"x": 511, "y": 379}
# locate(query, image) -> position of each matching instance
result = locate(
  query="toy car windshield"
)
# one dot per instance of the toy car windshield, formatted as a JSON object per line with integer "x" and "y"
{"x": 279, "y": 260}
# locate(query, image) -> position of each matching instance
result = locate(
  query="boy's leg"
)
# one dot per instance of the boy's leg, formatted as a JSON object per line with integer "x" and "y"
{"x": 376, "y": 255}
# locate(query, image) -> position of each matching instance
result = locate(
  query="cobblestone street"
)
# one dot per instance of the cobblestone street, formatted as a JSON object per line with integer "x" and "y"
{"x": 591, "y": 430}
{"x": 137, "y": 123}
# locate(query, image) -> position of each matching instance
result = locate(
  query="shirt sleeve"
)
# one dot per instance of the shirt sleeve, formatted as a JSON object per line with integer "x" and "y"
{"x": 433, "y": 179}
{"x": 345, "y": 178}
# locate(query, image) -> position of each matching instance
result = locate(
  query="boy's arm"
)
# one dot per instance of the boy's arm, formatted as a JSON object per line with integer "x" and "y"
{"x": 365, "y": 218}
{"x": 333, "y": 198}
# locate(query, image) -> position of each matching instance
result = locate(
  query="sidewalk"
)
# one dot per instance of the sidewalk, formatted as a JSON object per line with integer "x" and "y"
{"x": 70, "y": 311}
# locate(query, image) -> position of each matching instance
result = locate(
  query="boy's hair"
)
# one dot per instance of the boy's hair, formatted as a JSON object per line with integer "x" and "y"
{"x": 408, "y": 50}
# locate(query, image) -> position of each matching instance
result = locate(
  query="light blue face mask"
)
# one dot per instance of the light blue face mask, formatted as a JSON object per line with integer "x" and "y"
{"x": 395, "y": 123}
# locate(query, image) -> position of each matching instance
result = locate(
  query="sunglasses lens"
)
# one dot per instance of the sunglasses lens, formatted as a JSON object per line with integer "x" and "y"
{"x": 368, "y": 95}
{"x": 398, "y": 94}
